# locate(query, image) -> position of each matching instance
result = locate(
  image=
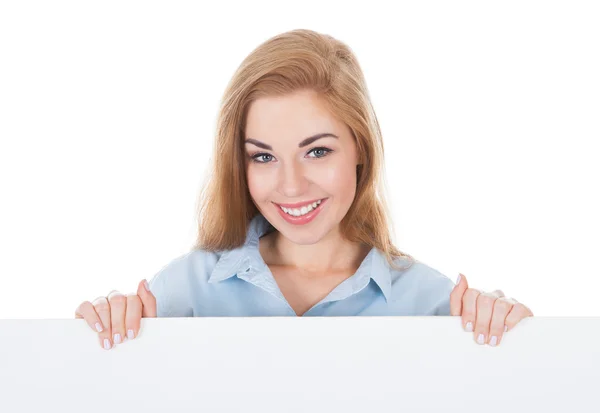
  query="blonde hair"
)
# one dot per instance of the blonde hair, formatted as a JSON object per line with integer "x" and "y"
{"x": 288, "y": 62}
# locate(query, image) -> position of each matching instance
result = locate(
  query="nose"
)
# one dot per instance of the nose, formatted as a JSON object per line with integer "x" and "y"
{"x": 293, "y": 182}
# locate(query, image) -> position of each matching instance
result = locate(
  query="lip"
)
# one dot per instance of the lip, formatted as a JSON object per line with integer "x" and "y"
{"x": 304, "y": 219}
{"x": 299, "y": 204}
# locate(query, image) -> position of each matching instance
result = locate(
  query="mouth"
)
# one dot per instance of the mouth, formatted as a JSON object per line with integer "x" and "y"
{"x": 302, "y": 215}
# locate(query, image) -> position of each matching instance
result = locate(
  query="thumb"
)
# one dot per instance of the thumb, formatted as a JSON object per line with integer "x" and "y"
{"x": 148, "y": 299}
{"x": 457, "y": 294}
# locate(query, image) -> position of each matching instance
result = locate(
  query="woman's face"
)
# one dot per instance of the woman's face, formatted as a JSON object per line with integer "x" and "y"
{"x": 283, "y": 167}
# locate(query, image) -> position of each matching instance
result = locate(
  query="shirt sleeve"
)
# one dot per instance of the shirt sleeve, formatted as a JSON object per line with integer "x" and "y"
{"x": 441, "y": 296}
{"x": 443, "y": 306}
{"x": 434, "y": 290}
{"x": 170, "y": 286}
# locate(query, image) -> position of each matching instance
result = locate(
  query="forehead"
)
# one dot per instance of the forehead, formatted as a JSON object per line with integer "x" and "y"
{"x": 299, "y": 114}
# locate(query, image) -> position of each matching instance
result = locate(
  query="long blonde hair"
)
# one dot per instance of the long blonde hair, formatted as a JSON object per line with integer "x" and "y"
{"x": 288, "y": 62}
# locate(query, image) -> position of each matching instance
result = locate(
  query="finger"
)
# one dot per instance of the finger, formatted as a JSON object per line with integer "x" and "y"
{"x": 118, "y": 306}
{"x": 88, "y": 313}
{"x": 469, "y": 308}
{"x": 148, "y": 300}
{"x": 102, "y": 308}
{"x": 516, "y": 314}
{"x": 483, "y": 318}
{"x": 457, "y": 294}
{"x": 133, "y": 316}
{"x": 502, "y": 307}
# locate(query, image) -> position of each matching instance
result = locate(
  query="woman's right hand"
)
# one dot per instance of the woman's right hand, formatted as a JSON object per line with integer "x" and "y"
{"x": 116, "y": 316}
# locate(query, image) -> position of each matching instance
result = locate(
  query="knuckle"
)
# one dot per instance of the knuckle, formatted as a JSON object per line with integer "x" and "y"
{"x": 512, "y": 301}
{"x": 503, "y": 305}
{"x": 133, "y": 298}
{"x": 102, "y": 306}
{"x": 486, "y": 298}
{"x": 520, "y": 308}
{"x": 82, "y": 308}
{"x": 99, "y": 301}
{"x": 118, "y": 299}
{"x": 471, "y": 293}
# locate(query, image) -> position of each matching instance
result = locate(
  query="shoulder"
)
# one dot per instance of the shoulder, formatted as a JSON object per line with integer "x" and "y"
{"x": 420, "y": 275}
{"x": 173, "y": 284}
{"x": 197, "y": 263}
{"x": 424, "y": 286}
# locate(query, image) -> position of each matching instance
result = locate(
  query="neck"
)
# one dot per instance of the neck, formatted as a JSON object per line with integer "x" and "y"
{"x": 331, "y": 254}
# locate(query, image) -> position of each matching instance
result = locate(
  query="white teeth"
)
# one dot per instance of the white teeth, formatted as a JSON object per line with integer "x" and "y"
{"x": 301, "y": 211}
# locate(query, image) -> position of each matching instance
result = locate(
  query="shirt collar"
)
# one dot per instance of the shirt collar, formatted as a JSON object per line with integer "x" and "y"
{"x": 241, "y": 259}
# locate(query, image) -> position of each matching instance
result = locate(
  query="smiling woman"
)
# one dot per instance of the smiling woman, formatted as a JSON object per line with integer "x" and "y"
{"x": 296, "y": 89}
{"x": 296, "y": 175}
{"x": 293, "y": 218}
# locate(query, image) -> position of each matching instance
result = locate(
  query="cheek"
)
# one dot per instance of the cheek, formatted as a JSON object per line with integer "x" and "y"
{"x": 339, "y": 180}
{"x": 258, "y": 184}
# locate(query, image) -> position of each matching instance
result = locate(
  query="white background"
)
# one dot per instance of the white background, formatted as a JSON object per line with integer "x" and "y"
{"x": 489, "y": 112}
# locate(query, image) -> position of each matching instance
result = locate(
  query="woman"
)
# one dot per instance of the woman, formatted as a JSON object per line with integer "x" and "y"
{"x": 292, "y": 219}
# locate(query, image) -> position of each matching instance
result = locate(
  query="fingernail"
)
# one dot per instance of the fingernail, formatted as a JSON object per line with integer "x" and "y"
{"x": 470, "y": 326}
{"x": 117, "y": 338}
{"x": 505, "y": 328}
{"x": 98, "y": 327}
{"x": 146, "y": 285}
{"x": 458, "y": 279}
{"x": 493, "y": 341}
{"x": 480, "y": 339}
{"x": 106, "y": 344}
{"x": 130, "y": 334}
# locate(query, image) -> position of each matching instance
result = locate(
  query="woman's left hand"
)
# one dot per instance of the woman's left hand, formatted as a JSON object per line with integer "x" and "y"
{"x": 492, "y": 314}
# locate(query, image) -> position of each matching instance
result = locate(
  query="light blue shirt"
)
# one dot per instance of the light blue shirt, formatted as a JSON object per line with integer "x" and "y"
{"x": 238, "y": 283}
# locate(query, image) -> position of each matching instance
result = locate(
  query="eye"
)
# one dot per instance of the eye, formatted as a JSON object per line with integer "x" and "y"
{"x": 324, "y": 151}
{"x": 259, "y": 155}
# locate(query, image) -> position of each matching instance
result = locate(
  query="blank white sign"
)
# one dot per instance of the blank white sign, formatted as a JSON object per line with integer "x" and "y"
{"x": 287, "y": 364}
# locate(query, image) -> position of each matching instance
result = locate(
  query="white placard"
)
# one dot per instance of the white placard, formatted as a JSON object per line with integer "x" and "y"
{"x": 287, "y": 364}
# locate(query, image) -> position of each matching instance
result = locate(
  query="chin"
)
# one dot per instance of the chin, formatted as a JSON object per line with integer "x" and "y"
{"x": 301, "y": 234}
{"x": 302, "y": 239}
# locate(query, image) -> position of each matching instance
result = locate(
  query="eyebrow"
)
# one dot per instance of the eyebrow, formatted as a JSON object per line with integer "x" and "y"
{"x": 302, "y": 144}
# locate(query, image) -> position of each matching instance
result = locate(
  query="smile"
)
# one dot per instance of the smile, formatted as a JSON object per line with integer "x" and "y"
{"x": 302, "y": 215}
{"x": 296, "y": 212}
